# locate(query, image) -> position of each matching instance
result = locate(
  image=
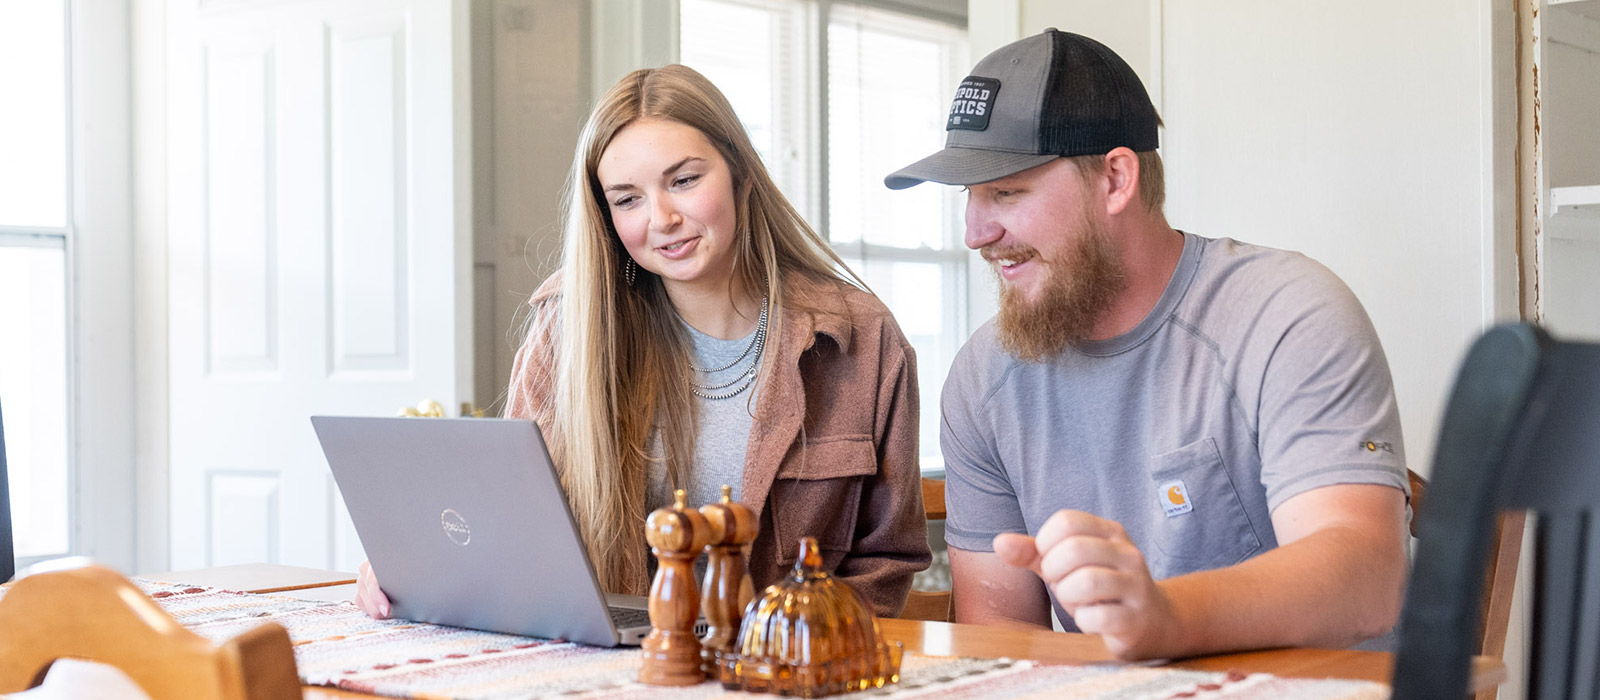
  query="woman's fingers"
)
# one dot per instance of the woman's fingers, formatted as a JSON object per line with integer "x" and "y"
{"x": 369, "y": 597}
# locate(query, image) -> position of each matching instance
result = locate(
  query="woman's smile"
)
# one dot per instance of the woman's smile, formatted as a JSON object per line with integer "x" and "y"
{"x": 679, "y": 249}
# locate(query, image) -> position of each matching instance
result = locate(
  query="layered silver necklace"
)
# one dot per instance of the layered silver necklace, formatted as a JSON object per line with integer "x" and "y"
{"x": 751, "y": 358}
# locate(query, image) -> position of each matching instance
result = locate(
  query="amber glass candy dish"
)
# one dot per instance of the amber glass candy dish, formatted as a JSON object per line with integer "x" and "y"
{"x": 810, "y": 635}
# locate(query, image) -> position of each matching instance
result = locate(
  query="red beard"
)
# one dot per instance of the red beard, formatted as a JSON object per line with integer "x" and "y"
{"x": 1073, "y": 295}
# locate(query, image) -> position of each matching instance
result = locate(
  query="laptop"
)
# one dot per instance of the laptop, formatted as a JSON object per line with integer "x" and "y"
{"x": 465, "y": 524}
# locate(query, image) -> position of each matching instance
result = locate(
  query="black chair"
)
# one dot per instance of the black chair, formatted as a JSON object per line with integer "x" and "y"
{"x": 8, "y": 561}
{"x": 1521, "y": 432}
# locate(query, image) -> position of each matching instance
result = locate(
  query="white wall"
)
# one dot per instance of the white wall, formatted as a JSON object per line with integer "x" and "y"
{"x": 532, "y": 95}
{"x": 1126, "y": 26}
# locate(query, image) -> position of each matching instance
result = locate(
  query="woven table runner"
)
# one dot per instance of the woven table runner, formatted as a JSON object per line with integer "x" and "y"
{"x": 337, "y": 645}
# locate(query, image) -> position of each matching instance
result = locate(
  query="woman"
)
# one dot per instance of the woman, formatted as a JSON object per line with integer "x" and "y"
{"x": 699, "y": 333}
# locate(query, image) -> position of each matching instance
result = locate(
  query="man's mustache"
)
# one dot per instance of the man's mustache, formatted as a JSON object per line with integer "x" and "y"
{"x": 996, "y": 253}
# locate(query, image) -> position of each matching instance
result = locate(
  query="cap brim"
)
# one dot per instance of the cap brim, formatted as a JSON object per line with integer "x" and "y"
{"x": 955, "y": 165}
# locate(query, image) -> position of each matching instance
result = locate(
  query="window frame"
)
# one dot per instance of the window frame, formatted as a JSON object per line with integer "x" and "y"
{"x": 61, "y": 238}
{"x": 807, "y": 101}
{"x": 95, "y": 238}
{"x": 953, "y": 257}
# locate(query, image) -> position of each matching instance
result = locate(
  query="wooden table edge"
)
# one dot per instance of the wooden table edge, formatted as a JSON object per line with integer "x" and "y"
{"x": 269, "y": 578}
{"x": 302, "y": 587}
{"x": 953, "y": 639}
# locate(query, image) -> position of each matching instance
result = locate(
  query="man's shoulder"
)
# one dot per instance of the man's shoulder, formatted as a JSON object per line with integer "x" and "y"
{"x": 1243, "y": 286}
{"x": 983, "y": 349}
{"x": 980, "y": 366}
{"x": 1247, "y": 268}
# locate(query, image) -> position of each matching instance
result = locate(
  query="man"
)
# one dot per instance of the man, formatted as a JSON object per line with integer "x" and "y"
{"x": 1198, "y": 436}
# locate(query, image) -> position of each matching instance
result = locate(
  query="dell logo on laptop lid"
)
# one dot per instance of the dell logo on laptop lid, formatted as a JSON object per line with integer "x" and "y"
{"x": 455, "y": 527}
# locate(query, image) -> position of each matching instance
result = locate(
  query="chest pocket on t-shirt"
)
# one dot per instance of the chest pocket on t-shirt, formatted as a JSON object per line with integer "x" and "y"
{"x": 1197, "y": 521}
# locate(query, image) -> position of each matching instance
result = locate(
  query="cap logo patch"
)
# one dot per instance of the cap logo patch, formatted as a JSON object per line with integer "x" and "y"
{"x": 973, "y": 104}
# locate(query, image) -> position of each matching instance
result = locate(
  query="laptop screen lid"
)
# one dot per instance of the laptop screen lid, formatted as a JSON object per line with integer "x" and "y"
{"x": 465, "y": 523}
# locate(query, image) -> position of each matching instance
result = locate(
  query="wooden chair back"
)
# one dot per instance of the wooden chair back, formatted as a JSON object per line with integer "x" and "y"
{"x": 933, "y": 498}
{"x": 933, "y": 606}
{"x": 1519, "y": 434}
{"x": 93, "y": 614}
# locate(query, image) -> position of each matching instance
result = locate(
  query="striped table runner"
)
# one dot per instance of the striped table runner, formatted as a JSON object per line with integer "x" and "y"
{"x": 337, "y": 645}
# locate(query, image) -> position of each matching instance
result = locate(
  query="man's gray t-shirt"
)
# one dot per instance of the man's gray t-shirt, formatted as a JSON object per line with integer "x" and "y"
{"x": 1256, "y": 377}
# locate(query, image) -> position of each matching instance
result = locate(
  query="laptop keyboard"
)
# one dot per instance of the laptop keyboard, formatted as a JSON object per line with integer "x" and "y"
{"x": 629, "y": 618}
{"x": 625, "y": 618}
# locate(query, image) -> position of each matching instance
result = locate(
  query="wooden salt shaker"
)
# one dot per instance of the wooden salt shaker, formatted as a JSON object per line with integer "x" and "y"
{"x": 671, "y": 652}
{"x": 727, "y": 588}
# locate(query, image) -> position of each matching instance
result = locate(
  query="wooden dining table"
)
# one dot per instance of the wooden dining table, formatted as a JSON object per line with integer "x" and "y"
{"x": 928, "y": 638}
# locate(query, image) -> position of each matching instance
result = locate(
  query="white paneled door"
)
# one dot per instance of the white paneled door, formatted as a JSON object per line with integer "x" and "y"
{"x": 320, "y": 253}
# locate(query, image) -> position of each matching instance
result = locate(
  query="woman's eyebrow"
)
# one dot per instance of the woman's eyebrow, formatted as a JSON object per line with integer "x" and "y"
{"x": 670, "y": 169}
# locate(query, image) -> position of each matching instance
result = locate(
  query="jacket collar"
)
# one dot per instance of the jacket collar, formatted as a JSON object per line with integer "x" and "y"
{"x": 811, "y": 308}
{"x": 825, "y": 306}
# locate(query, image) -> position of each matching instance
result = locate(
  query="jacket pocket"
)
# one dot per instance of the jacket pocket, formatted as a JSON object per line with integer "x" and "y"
{"x": 817, "y": 493}
{"x": 1197, "y": 521}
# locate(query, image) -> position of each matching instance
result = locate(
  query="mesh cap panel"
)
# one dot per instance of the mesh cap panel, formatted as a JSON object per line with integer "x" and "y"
{"x": 1093, "y": 102}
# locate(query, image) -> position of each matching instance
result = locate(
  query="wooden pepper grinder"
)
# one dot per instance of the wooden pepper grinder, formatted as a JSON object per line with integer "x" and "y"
{"x": 727, "y": 588}
{"x": 671, "y": 652}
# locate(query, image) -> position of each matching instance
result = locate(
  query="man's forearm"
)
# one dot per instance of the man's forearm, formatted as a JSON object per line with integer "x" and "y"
{"x": 1330, "y": 589}
{"x": 986, "y": 591}
{"x": 994, "y": 611}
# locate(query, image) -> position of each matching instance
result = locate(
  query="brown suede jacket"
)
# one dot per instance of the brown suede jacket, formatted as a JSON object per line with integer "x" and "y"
{"x": 833, "y": 447}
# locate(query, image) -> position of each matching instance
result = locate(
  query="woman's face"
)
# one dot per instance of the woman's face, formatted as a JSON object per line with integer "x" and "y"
{"x": 671, "y": 198}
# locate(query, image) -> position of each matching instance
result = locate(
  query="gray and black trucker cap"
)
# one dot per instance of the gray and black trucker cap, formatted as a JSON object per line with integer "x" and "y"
{"x": 1031, "y": 101}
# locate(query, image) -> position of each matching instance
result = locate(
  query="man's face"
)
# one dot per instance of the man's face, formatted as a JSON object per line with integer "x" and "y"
{"x": 1046, "y": 235}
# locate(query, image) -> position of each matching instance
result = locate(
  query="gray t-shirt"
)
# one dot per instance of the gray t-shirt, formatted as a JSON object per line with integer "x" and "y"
{"x": 724, "y": 427}
{"x": 1256, "y": 377}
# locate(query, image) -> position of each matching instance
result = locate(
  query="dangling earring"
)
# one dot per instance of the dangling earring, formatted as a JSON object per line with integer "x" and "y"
{"x": 628, "y": 271}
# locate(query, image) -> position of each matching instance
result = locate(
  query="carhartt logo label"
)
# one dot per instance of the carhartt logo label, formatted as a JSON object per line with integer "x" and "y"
{"x": 1373, "y": 446}
{"x": 1174, "y": 497}
{"x": 455, "y": 527}
{"x": 973, "y": 104}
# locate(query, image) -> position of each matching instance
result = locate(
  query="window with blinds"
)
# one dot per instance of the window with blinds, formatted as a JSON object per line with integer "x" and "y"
{"x": 757, "y": 52}
{"x": 836, "y": 95}
{"x": 34, "y": 226}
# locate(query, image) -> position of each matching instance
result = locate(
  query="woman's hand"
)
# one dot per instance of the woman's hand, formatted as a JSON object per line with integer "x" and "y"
{"x": 369, "y": 597}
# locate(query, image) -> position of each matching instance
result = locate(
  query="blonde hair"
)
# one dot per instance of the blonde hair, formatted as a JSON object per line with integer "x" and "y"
{"x": 1152, "y": 176}
{"x": 622, "y": 356}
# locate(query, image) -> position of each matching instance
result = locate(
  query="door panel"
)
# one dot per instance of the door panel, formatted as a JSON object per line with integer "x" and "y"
{"x": 370, "y": 199}
{"x": 242, "y": 517}
{"x": 240, "y": 275}
{"x": 319, "y": 235}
